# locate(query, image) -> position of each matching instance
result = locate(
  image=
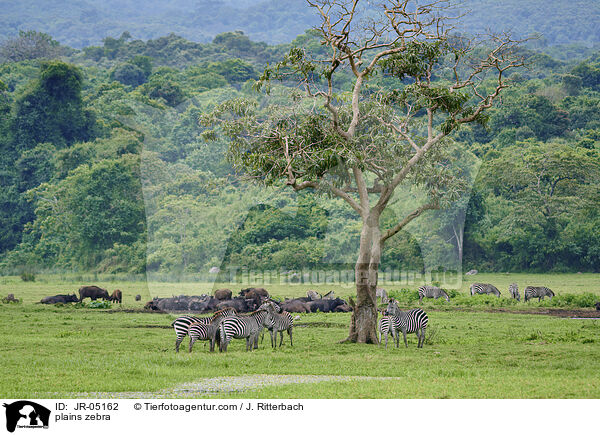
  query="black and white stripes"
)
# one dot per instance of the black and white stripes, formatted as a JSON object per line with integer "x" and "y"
{"x": 247, "y": 327}
{"x": 275, "y": 322}
{"x": 538, "y": 292}
{"x": 414, "y": 320}
{"x": 480, "y": 289}
{"x": 429, "y": 291}
{"x": 182, "y": 324}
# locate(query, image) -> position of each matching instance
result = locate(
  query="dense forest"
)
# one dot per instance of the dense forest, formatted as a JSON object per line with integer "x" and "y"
{"x": 81, "y": 23}
{"x": 104, "y": 166}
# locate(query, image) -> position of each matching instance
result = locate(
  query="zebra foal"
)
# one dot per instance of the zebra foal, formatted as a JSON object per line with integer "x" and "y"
{"x": 538, "y": 292}
{"x": 480, "y": 289}
{"x": 429, "y": 291}
{"x": 414, "y": 320}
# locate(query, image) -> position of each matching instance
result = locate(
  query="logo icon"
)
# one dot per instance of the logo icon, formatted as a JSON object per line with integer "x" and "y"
{"x": 26, "y": 414}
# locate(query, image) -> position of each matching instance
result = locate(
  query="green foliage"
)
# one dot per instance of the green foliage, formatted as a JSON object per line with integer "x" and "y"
{"x": 128, "y": 74}
{"x": 27, "y": 277}
{"x": 51, "y": 109}
{"x": 98, "y": 303}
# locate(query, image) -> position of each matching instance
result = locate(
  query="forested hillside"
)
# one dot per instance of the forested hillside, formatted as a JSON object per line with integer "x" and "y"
{"x": 104, "y": 166}
{"x": 80, "y": 23}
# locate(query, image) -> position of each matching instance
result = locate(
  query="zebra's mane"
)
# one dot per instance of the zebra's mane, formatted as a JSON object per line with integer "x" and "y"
{"x": 216, "y": 313}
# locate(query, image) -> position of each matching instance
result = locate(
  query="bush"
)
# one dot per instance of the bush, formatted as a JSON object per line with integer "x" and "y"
{"x": 99, "y": 304}
{"x": 585, "y": 300}
{"x": 27, "y": 276}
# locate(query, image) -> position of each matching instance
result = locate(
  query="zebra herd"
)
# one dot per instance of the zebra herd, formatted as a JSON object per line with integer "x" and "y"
{"x": 428, "y": 291}
{"x": 227, "y": 324}
{"x": 530, "y": 291}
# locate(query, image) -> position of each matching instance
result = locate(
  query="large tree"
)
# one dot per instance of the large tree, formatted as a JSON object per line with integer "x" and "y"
{"x": 410, "y": 85}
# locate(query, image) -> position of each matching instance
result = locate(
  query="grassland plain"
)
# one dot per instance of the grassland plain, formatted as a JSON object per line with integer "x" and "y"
{"x": 60, "y": 351}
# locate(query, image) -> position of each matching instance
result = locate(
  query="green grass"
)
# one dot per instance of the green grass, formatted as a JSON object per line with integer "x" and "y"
{"x": 50, "y": 351}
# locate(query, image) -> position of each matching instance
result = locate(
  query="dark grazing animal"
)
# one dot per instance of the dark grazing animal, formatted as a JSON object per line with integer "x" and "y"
{"x": 223, "y": 294}
{"x": 480, "y": 289}
{"x": 429, "y": 291}
{"x": 538, "y": 292}
{"x": 414, "y": 320}
{"x": 513, "y": 289}
{"x": 93, "y": 292}
{"x": 138, "y": 298}
{"x": 597, "y": 306}
{"x": 295, "y": 306}
{"x": 241, "y": 305}
{"x": 59, "y": 299}
{"x": 325, "y": 305}
{"x": 117, "y": 296}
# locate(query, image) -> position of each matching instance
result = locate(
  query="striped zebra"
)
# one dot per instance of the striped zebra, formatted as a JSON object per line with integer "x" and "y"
{"x": 203, "y": 331}
{"x": 247, "y": 327}
{"x": 538, "y": 292}
{"x": 429, "y": 291}
{"x": 513, "y": 289}
{"x": 386, "y": 326}
{"x": 275, "y": 323}
{"x": 414, "y": 320}
{"x": 480, "y": 289}
{"x": 182, "y": 323}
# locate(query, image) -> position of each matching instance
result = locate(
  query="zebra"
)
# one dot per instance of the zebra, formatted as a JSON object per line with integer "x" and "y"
{"x": 478, "y": 288}
{"x": 429, "y": 291}
{"x": 203, "y": 331}
{"x": 278, "y": 323}
{"x": 386, "y": 326}
{"x": 414, "y": 320}
{"x": 182, "y": 323}
{"x": 380, "y": 293}
{"x": 537, "y": 292}
{"x": 247, "y": 327}
{"x": 513, "y": 289}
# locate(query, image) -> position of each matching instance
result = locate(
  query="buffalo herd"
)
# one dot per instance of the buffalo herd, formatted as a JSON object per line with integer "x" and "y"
{"x": 248, "y": 300}
{"x": 87, "y": 291}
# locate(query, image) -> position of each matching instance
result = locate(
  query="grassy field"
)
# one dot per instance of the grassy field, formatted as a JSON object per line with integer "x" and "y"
{"x": 65, "y": 350}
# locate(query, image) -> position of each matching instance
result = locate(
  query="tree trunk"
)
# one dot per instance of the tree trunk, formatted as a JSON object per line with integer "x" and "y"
{"x": 363, "y": 326}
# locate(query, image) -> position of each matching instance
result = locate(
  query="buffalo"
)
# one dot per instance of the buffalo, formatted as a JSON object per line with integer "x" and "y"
{"x": 241, "y": 305}
{"x": 93, "y": 292}
{"x": 117, "y": 296}
{"x": 138, "y": 298}
{"x": 325, "y": 305}
{"x": 59, "y": 299}
{"x": 295, "y": 306}
{"x": 251, "y": 292}
{"x": 223, "y": 294}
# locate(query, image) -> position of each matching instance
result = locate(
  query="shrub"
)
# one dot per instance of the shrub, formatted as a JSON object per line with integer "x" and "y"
{"x": 27, "y": 276}
{"x": 99, "y": 304}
